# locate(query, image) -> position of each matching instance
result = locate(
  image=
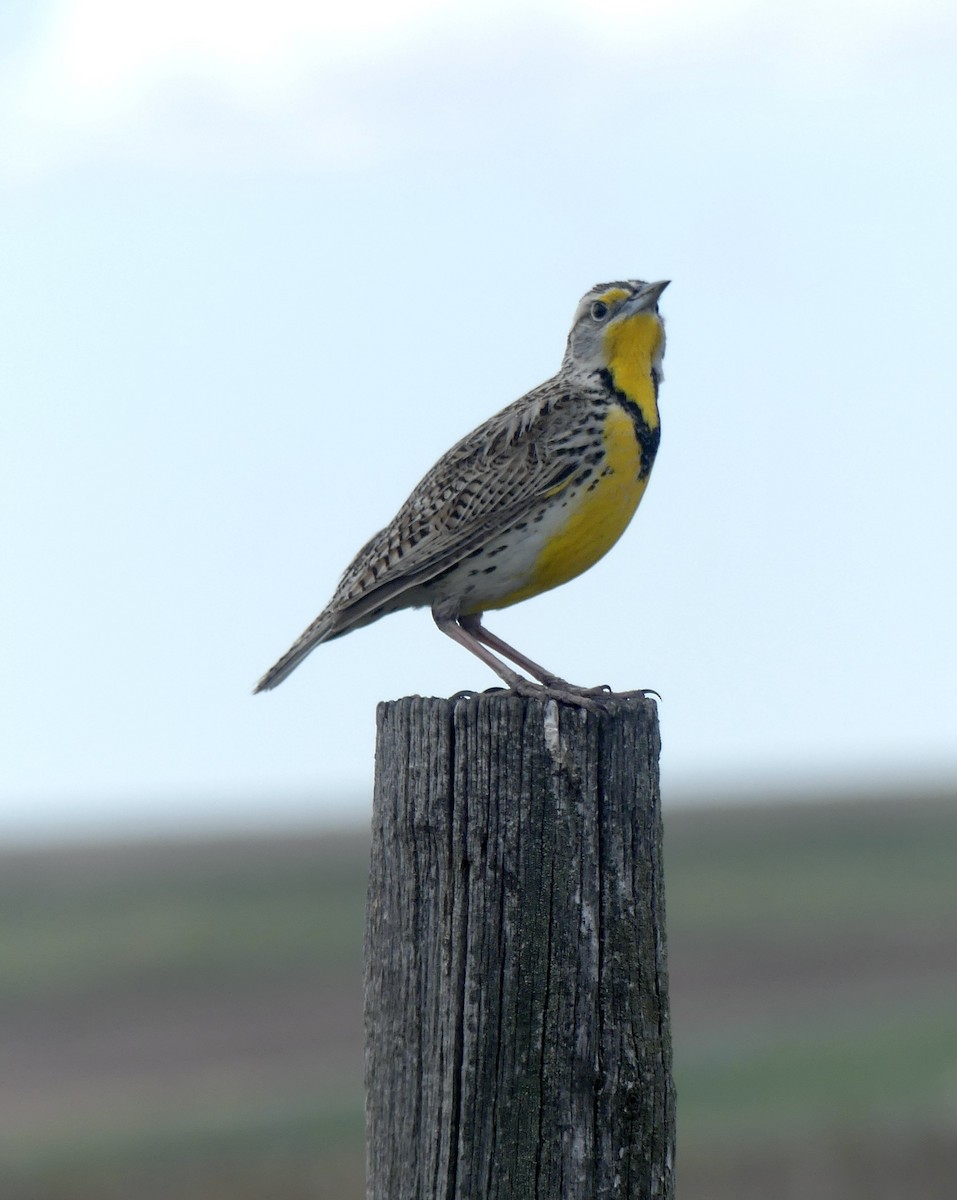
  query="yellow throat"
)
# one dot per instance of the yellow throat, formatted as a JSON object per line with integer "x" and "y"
{"x": 631, "y": 346}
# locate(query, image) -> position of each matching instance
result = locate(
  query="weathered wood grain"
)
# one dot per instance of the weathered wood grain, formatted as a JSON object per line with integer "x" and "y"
{"x": 517, "y": 1032}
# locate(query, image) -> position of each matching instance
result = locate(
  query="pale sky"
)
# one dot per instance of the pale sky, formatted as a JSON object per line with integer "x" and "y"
{"x": 263, "y": 263}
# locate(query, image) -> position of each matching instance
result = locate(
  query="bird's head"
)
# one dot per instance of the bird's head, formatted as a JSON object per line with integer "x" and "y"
{"x": 617, "y": 328}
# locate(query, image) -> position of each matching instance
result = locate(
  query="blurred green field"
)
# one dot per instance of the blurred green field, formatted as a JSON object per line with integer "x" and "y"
{"x": 185, "y": 1019}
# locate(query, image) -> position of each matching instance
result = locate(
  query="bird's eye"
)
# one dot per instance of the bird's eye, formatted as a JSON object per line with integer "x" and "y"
{"x": 599, "y": 310}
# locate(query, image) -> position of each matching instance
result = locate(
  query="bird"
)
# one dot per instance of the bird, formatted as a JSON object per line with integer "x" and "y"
{"x": 530, "y": 499}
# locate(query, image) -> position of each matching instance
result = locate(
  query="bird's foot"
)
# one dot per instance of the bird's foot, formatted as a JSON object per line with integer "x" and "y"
{"x": 554, "y": 689}
{"x": 594, "y": 699}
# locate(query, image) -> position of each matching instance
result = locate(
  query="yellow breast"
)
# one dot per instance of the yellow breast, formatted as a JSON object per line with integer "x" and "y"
{"x": 597, "y": 518}
{"x": 582, "y": 523}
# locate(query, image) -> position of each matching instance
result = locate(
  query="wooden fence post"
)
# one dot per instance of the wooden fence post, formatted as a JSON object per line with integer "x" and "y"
{"x": 517, "y": 1029}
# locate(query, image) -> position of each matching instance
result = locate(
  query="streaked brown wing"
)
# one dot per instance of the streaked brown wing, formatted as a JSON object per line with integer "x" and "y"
{"x": 472, "y": 494}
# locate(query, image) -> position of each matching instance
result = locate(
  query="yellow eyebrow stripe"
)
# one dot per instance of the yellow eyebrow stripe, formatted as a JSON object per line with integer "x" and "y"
{"x": 613, "y": 295}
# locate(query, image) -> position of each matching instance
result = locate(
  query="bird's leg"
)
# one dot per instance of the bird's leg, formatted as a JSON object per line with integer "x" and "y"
{"x": 473, "y": 625}
{"x": 462, "y": 630}
{"x": 451, "y": 628}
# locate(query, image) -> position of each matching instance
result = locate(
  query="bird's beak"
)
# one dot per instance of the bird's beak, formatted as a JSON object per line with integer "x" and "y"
{"x": 647, "y": 298}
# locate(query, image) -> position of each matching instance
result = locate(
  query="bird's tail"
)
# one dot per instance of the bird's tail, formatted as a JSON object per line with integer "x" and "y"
{"x": 321, "y": 630}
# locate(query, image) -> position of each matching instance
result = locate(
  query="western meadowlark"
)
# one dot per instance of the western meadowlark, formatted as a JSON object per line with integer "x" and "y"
{"x": 526, "y": 502}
